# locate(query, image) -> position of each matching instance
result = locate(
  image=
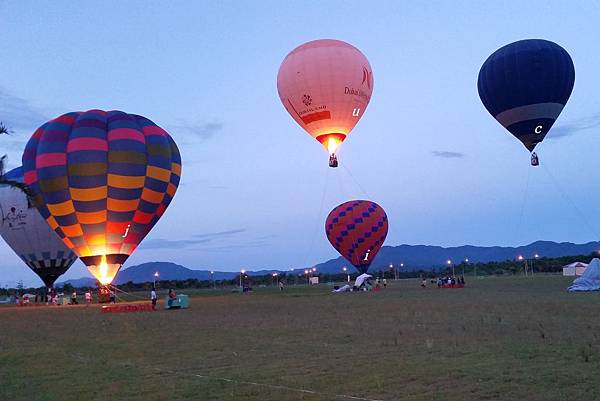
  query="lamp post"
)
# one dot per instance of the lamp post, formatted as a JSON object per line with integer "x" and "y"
{"x": 275, "y": 278}
{"x": 242, "y": 272}
{"x": 345, "y": 269}
{"x": 212, "y": 278}
{"x": 520, "y": 258}
{"x": 306, "y": 271}
{"x": 154, "y": 281}
{"x": 449, "y": 263}
{"x": 535, "y": 257}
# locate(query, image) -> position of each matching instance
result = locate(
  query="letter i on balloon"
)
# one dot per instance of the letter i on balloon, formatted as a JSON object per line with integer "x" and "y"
{"x": 324, "y": 85}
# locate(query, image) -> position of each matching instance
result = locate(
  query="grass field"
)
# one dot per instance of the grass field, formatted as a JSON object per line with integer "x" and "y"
{"x": 498, "y": 339}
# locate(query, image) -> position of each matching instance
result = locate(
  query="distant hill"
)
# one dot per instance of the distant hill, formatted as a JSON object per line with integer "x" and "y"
{"x": 414, "y": 257}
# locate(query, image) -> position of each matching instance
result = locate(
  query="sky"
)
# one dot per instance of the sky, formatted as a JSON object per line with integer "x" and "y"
{"x": 255, "y": 188}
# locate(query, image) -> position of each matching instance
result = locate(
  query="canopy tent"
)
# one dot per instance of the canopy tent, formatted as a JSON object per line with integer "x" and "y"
{"x": 590, "y": 280}
{"x": 574, "y": 269}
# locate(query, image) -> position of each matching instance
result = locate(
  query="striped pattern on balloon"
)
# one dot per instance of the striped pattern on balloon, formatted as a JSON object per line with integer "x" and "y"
{"x": 102, "y": 180}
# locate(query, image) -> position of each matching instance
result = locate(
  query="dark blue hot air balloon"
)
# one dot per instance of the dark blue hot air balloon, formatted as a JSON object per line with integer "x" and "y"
{"x": 525, "y": 86}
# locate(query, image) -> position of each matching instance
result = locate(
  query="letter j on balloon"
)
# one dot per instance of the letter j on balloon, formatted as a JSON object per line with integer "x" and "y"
{"x": 326, "y": 85}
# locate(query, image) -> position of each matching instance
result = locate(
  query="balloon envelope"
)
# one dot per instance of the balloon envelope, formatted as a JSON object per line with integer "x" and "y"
{"x": 357, "y": 230}
{"x": 326, "y": 86}
{"x": 28, "y": 234}
{"x": 525, "y": 86}
{"x": 102, "y": 180}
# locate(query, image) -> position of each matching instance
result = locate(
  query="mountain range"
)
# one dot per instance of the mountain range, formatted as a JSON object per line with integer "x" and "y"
{"x": 413, "y": 257}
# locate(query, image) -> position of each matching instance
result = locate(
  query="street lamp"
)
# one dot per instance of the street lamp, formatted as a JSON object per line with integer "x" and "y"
{"x": 154, "y": 281}
{"x": 449, "y": 263}
{"x": 345, "y": 269}
{"x": 212, "y": 277}
{"x": 242, "y": 272}
{"x": 275, "y": 278}
{"x": 520, "y": 258}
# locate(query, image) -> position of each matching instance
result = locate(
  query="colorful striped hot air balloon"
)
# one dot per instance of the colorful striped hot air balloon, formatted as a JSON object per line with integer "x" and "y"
{"x": 357, "y": 230}
{"x": 102, "y": 180}
{"x": 326, "y": 86}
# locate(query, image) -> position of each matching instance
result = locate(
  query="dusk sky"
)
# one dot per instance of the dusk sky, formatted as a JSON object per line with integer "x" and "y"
{"x": 256, "y": 188}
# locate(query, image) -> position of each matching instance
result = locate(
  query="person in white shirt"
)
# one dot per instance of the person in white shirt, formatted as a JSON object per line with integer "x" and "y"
{"x": 153, "y": 298}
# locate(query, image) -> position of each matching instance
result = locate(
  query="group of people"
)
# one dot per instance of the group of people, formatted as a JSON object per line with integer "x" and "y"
{"x": 51, "y": 297}
{"x": 450, "y": 280}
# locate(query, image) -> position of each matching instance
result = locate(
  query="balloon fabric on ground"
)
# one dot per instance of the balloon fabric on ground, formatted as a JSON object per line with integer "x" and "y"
{"x": 102, "y": 180}
{"x": 28, "y": 234}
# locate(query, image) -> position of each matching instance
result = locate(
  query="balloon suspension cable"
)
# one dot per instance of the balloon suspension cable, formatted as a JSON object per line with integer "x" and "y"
{"x": 571, "y": 203}
{"x": 519, "y": 222}
{"x": 360, "y": 187}
{"x": 115, "y": 288}
{"x": 319, "y": 220}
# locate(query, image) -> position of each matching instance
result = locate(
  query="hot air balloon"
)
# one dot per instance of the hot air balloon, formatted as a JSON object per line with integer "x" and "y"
{"x": 326, "y": 86}
{"x": 357, "y": 230}
{"x": 525, "y": 85}
{"x": 102, "y": 180}
{"x": 26, "y": 232}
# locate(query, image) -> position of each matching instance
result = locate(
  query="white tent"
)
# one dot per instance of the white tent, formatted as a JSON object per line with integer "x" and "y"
{"x": 590, "y": 280}
{"x": 574, "y": 269}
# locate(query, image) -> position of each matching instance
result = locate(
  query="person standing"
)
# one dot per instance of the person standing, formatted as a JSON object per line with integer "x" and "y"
{"x": 88, "y": 298}
{"x": 280, "y": 285}
{"x": 153, "y": 298}
{"x": 384, "y": 282}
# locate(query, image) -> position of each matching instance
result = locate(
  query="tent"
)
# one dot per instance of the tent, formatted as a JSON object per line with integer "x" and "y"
{"x": 590, "y": 280}
{"x": 574, "y": 269}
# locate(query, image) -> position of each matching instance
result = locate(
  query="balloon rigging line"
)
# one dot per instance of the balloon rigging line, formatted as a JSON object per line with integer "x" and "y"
{"x": 570, "y": 202}
{"x": 355, "y": 181}
{"x": 267, "y": 385}
{"x": 319, "y": 218}
{"x": 523, "y": 203}
{"x": 114, "y": 287}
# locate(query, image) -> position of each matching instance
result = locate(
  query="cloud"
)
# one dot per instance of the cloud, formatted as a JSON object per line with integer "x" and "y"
{"x": 220, "y": 234}
{"x": 575, "y": 126}
{"x": 448, "y": 155}
{"x": 203, "y": 131}
{"x": 18, "y": 113}
{"x": 196, "y": 239}
{"x": 161, "y": 243}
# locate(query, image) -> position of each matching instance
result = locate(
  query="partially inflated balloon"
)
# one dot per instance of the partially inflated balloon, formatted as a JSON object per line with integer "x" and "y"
{"x": 102, "y": 180}
{"x": 357, "y": 230}
{"x": 326, "y": 86}
{"x": 525, "y": 86}
{"x": 26, "y": 232}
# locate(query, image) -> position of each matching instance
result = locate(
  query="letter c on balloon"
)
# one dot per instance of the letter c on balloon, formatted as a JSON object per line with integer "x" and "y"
{"x": 538, "y": 129}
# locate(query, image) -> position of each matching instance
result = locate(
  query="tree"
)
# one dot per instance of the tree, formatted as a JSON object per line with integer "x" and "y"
{"x": 11, "y": 183}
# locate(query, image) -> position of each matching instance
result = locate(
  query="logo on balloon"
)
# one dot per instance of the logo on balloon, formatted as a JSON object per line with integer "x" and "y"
{"x": 307, "y": 100}
{"x": 367, "y": 76}
{"x": 14, "y": 218}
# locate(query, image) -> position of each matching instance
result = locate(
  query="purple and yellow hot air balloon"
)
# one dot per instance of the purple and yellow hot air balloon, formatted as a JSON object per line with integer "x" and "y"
{"x": 102, "y": 180}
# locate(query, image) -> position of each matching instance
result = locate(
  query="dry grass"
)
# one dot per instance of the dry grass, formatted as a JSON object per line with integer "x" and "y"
{"x": 499, "y": 339}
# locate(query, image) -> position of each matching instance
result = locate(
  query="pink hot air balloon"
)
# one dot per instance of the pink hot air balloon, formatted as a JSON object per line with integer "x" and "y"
{"x": 326, "y": 86}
